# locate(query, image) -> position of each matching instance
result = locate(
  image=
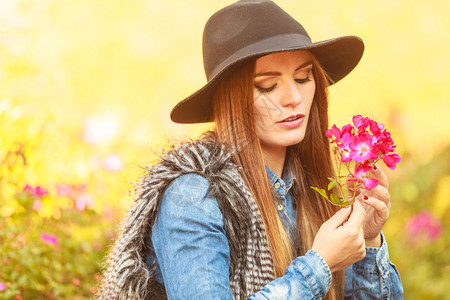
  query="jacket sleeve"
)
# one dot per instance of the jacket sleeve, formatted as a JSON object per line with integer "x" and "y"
{"x": 189, "y": 239}
{"x": 374, "y": 277}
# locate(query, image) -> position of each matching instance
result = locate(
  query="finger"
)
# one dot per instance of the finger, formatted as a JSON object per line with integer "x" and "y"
{"x": 379, "y": 192}
{"x": 339, "y": 217}
{"x": 357, "y": 217}
{"x": 378, "y": 174}
{"x": 381, "y": 207}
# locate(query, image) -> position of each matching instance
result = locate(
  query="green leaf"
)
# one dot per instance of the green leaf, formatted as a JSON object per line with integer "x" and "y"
{"x": 339, "y": 200}
{"x": 336, "y": 199}
{"x": 321, "y": 192}
{"x": 332, "y": 185}
{"x": 331, "y": 179}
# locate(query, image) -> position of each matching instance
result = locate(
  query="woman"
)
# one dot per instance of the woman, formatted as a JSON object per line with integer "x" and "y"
{"x": 232, "y": 215}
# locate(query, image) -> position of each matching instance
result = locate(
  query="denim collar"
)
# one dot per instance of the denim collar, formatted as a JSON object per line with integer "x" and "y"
{"x": 284, "y": 183}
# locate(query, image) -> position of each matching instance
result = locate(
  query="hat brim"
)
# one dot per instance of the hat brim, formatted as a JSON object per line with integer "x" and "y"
{"x": 338, "y": 57}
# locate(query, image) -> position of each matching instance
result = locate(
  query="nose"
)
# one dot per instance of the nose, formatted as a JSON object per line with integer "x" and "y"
{"x": 292, "y": 96}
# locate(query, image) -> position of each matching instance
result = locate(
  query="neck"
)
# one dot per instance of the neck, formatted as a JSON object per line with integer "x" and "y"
{"x": 274, "y": 159}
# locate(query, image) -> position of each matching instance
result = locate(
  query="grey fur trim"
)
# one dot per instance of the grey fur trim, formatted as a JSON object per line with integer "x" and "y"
{"x": 127, "y": 275}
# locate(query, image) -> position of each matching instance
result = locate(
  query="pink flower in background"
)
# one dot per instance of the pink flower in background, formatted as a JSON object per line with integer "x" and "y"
{"x": 37, "y": 205}
{"x": 49, "y": 239}
{"x": 64, "y": 190}
{"x": 424, "y": 223}
{"x": 71, "y": 191}
{"x": 35, "y": 191}
{"x": 113, "y": 163}
{"x": 84, "y": 201}
{"x": 2, "y": 286}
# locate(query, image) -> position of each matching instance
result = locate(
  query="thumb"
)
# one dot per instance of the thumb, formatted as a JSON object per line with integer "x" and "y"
{"x": 339, "y": 217}
{"x": 358, "y": 214}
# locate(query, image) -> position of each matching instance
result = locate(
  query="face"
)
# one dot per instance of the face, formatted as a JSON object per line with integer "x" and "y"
{"x": 284, "y": 89}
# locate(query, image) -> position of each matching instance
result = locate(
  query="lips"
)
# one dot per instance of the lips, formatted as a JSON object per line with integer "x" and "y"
{"x": 292, "y": 122}
{"x": 292, "y": 118}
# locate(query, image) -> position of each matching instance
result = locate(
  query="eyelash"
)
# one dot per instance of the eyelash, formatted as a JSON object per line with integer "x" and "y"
{"x": 270, "y": 89}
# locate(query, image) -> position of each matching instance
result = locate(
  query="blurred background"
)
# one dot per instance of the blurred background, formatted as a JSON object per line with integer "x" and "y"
{"x": 86, "y": 88}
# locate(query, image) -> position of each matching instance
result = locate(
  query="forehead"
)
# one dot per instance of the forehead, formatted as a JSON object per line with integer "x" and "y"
{"x": 282, "y": 59}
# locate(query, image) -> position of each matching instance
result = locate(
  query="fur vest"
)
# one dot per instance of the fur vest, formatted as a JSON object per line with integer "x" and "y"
{"x": 127, "y": 275}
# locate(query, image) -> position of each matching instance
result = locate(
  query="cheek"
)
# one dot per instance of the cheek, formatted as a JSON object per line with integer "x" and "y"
{"x": 264, "y": 109}
{"x": 309, "y": 97}
{"x": 261, "y": 119}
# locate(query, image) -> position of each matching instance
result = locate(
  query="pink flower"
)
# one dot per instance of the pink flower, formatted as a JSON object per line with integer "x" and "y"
{"x": 362, "y": 149}
{"x": 63, "y": 190}
{"x": 383, "y": 142}
{"x": 71, "y": 191}
{"x": 49, "y": 239}
{"x": 84, "y": 201}
{"x": 424, "y": 223}
{"x": 376, "y": 129}
{"x": 370, "y": 183}
{"x": 37, "y": 205}
{"x": 361, "y": 123}
{"x": 364, "y": 144}
{"x": 362, "y": 170}
{"x": 2, "y": 286}
{"x": 334, "y": 131}
{"x": 391, "y": 160}
{"x": 35, "y": 192}
{"x": 345, "y": 147}
{"x": 360, "y": 176}
{"x": 28, "y": 189}
{"x": 40, "y": 191}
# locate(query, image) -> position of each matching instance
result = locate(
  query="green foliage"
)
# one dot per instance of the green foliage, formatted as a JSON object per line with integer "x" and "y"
{"x": 32, "y": 267}
{"x": 322, "y": 192}
{"x": 424, "y": 263}
{"x": 333, "y": 198}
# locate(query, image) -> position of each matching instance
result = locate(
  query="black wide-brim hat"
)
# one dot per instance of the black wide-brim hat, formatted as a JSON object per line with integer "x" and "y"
{"x": 249, "y": 29}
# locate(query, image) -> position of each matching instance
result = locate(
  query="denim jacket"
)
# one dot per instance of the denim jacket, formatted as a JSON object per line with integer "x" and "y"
{"x": 193, "y": 253}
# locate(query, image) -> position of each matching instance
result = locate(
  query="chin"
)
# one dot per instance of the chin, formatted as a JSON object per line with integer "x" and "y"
{"x": 293, "y": 138}
{"x": 279, "y": 139}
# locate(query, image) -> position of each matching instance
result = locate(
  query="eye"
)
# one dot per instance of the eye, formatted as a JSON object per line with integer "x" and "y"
{"x": 265, "y": 90}
{"x": 303, "y": 80}
{"x": 307, "y": 73}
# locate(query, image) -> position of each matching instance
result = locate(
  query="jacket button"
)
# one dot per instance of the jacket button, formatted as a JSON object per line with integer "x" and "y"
{"x": 277, "y": 185}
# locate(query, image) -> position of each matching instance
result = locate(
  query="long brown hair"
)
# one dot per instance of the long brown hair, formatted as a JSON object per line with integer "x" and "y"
{"x": 310, "y": 161}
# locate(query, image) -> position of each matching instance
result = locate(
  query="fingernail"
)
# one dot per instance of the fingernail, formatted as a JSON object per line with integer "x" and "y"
{"x": 365, "y": 197}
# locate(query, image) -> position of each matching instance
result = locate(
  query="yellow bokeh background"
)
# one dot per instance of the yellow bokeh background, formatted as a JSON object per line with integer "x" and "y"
{"x": 83, "y": 80}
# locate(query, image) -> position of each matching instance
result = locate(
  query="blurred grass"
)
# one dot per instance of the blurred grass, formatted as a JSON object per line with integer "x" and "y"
{"x": 81, "y": 81}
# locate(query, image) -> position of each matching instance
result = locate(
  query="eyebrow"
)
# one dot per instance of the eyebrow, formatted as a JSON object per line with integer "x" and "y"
{"x": 303, "y": 65}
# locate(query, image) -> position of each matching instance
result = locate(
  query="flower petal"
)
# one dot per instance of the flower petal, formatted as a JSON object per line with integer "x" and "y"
{"x": 391, "y": 160}
{"x": 370, "y": 183}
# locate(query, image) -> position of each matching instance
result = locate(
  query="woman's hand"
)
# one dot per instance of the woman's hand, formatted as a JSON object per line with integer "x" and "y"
{"x": 340, "y": 240}
{"x": 377, "y": 204}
